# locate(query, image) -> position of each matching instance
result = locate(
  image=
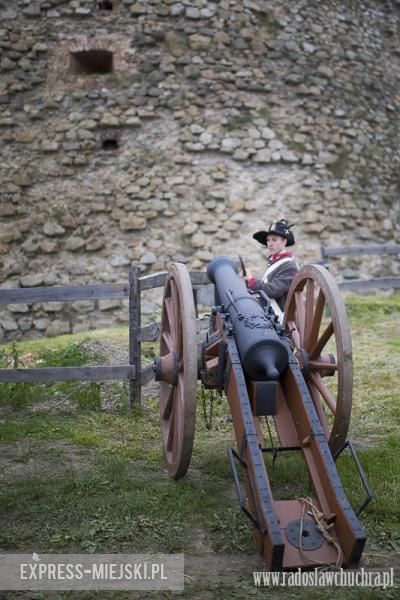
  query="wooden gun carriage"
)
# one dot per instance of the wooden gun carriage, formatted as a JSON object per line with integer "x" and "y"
{"x": 298, "y": 373}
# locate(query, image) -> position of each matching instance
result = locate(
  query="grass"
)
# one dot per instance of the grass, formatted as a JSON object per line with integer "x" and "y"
{"x": 116, "y": 334}
{"x": 270, "y": 21}
{"x": 238, "y": 121}
{"x": 383, "y": 513}
{"x": 376, "y": 347}
{"x": 362, "y": 309}
{"x": 152, "y": 511}
{"x": 17, "y": 396}
{"x": 339, "y": 167}
{"x": 78, "y": 479}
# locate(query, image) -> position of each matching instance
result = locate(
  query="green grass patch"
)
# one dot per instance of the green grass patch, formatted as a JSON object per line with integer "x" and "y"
{"x": 35, "y": 346}
{"x": 270, "y": 21}
{"x": 339, "y": 167}
{"x": 82, "y": 480}
{"x": 381, "y": 464}
{"x": 43, "y": 426}
{"x": 72, "y": 355}
{"x": 239, "y": 121}
{"x": 18, "y": 395}
{"x": 112, "y": 500}
{"x": 367, "y": 310}
{"x": 376, "y": 366}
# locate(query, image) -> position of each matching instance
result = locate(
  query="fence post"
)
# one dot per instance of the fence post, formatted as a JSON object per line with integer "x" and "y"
{"x": 134, "y": 336}
{"x": 324, "y": 259}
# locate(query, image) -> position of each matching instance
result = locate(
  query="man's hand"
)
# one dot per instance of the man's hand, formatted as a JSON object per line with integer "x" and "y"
{"x": 250, "y": 279}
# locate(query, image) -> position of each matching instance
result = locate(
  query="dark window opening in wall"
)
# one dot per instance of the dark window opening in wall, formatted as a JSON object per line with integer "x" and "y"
{"x": 110, "y": 143}
{"x": 105, "y": 5}
{"x": 85, "y": 62}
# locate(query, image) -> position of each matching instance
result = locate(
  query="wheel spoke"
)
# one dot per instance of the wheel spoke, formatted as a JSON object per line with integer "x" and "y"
{"x": 176, "y": 418}
{"x": 312, "y": 334}
{"x": 309, "y": 309}
{"x": 168, "y": 341}
{"x": 298, "y": 295}
{"x": 294, "y": 333}
{"x": 324, "y": 391}
{"x": 167, "y": 409}
{"x": 323, "y": 340}
{"x": 171, "y": 429}
{"x": 169, "y": 309}
{"x": 177, "y": 318}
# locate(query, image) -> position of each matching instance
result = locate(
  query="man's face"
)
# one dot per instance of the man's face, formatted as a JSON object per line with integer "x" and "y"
{"x": 275, "y": 243}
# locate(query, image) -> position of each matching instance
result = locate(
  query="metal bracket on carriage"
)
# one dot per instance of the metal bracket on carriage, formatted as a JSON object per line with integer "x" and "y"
{"x": 213, "y": 361}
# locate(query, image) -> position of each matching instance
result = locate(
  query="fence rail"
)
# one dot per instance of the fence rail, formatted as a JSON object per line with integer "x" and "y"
{"x": 203, "y": 294}
{"x": 375, "y": 283}
{"x": 131, "y": 291}
{"x": 361, "y": 285}
{"x": 97, "y": 373}
{"x": 360, "y": 250}
{"x": 67, "y": 293}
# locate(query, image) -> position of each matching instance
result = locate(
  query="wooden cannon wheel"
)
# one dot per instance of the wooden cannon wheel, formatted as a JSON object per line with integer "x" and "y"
{"x": 316, "y": 322}
{"x": 177, "y": 367}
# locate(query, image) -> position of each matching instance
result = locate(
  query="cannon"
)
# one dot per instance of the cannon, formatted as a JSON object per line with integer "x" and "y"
{"x": 299, "y": 374}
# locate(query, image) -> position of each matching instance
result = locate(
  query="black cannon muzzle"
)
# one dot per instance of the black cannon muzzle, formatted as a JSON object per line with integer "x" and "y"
{"x": 263, "y": 355}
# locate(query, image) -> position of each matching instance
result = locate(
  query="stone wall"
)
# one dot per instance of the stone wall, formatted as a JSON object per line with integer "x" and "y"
{"x": 215, "y": 118}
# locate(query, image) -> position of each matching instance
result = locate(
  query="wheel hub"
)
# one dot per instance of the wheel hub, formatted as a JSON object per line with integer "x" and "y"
{"x": 167, "y": 368}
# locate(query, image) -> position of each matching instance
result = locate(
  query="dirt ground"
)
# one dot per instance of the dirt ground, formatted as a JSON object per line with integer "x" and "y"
{"x": 202, "y": 565}
{"x": 29, "y": 458}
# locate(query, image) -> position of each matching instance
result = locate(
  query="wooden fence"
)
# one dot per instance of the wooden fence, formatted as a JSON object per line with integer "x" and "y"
{"x": 360, "y": 285}
{"x": 131, "y": 291}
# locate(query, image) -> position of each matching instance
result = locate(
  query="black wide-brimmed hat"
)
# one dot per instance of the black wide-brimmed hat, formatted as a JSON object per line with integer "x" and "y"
{"x": 278, "y": 228}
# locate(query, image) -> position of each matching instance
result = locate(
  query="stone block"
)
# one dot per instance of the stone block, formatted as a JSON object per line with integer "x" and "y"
{"x": 18, "y": 308}
{"x": 132, "y": 222}
{"x": 52, "y": 307}
{"x": 58, "y": 327}
{"x": 73, "y": 244}
{"x": 83, "y": 306}
{"x": 8, "y": 210}
{"x": 32, "y": 280}
{"x": 199, "y": 42}
{"x": 120, "y": 260}
{"x": 25, "y": 324}
{"x": 138, "y": 9}
{"x": 51, "y": 228}
{"x": 9, "y": 325}
{"x": 109, "y": 304}
{"x": 48, "y": 247}
{"x": 41, "y": 324}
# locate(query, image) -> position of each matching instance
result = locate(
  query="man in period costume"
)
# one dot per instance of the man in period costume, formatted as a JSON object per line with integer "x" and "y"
{"x": 281, "y": 266}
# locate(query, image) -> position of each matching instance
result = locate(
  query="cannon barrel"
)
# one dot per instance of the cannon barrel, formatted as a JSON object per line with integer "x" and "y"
{"x": 263, "y": 355}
